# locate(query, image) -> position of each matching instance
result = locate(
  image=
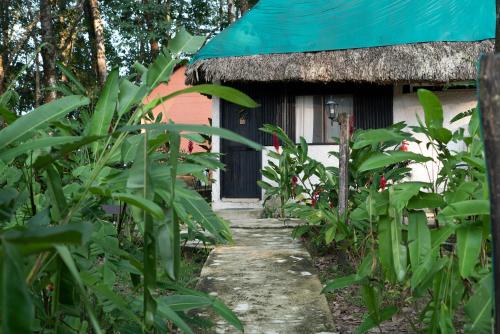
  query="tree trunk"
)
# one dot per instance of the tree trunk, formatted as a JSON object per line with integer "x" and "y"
{"x": 489, "y": 104}
{"x": 97, "y": 31}
{"x": 48, "y": 50}
{"x": 230, "y": 8}
{"x": 153, "y": 42}
{"x": 244, "y": 6}
{"x": 4, "y": 56}
{"x": 221, "y": 15}
{"x": 344, "y": 120}
{"x": 497, "y": 39}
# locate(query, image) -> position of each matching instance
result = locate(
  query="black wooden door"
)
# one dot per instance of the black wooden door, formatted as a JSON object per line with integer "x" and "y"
{"x": 243, "y": 164}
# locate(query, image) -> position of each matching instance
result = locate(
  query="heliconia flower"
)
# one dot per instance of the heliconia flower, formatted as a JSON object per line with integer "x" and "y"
{"x": 276, "y": 142}
{"x": 314, "y": 199}
{"x": 294, "y": 180}
{"x": 404, "y": 146}
{"x": 383, "y": 183}
{"x": 190, "y": 147}
{"x": 351, "y": 125}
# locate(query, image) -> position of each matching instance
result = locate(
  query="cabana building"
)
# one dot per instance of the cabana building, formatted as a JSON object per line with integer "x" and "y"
{"x": 369, "y": 57}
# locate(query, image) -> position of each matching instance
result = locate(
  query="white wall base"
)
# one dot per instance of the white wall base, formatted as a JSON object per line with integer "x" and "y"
{"x": 237, "y": 203}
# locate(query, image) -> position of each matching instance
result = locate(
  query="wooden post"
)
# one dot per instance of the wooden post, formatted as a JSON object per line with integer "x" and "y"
{"x": 344, "y": 121}
{"x": 489, "y": 106}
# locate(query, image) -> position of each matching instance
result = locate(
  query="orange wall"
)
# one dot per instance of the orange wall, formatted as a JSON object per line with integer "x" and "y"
{"x": 190, "y": 108}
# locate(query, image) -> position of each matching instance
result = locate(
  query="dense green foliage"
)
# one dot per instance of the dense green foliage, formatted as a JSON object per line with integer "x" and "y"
{"x": 130, "y": 29}
{"x": 431, "y": 238}
{"x": 68, "y": 266}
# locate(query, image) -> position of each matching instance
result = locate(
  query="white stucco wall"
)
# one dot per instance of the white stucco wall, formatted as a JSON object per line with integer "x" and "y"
{"x": 407, "y": 106}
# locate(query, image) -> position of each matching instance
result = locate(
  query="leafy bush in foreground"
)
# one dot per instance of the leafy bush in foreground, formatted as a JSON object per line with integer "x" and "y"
{"x": 431, "y": 238}
{"x": 67, "y": 265}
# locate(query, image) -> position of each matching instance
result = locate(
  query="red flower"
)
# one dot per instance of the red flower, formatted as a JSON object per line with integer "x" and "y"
{"x": 383, "y": 183}
{"x": 314, "y": 199}
{"x": 276, "y": 142}
{"x": 294, "y": 181}
{"x": 351, "y": 125}
{"x": 404, "y": 146}
{"x": 190, "y": 147}
{"x": 332, "y": 205}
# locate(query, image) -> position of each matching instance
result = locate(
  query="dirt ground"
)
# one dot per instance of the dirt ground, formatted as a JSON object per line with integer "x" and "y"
{"x": 347, "y": 306}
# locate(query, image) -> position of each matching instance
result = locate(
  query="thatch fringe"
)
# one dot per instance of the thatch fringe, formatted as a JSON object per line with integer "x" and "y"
{"x": 436, "y": 62}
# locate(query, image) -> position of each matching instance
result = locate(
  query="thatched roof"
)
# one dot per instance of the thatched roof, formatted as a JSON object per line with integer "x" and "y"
{"x": 435, "y": 62}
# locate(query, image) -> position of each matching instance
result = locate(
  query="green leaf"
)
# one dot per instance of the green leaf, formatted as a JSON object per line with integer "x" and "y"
{"x": 45, "y": 160}
{"x": 74, "y": 234}
{"x": 129, "y": 96}
{"x": 400, "y": 194}
{"x": 227, "y": 314}
{"x": 208, "y": 130}
{"x": 399, "y": 252}
{"x": 469, "y": 239}
{"x": 479, "y": 307}
{"x": 442, "y": 135}
{"x": 104, "y": 109}
{"x": 39, "y": 118}
{"x": 18, "y": 312}
{"x": 67, "y": 258}
{"x": 465, "y": 209}
{"x": 371, "y": 300}
{"x": 36, "y": 144}
{"x": 425, "y": 200}
{"x": 419, "y": 238}
{"x": 369, "y": 323}
{"x": 342, "y": 282}
{"x": 184, "y": 42}
{"x": 72, "y": 78}
{"x": 141, "y": 203}
{"x": 8, "y": 116}
{"x": 160, "y": 70}
{"x": 376, "y": 136}
{"x": 330, "y": 234}
{"x": 185, "y": 302}
{"x": 478, "y": 163}
{"x": 385, "y": 248}
{"x": 201, "y": 212}
{"x": 165, "y": 311}
{"x": 227, "y": 93}
{"x": 433, "y": 109}
{"x": 105, "y": 291}
{"x": 56, "y": 193}
{"x": 380, "y": 160}
{"x": 439, "y": 236}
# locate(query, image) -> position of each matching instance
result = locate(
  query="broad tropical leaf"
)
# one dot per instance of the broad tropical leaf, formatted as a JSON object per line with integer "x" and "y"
{"x": 17, "y": 307}
{"x": 39, "y": 118}
{"x": 140, "y": 202}
{"x": 104, "y": 109}
{"x": 227, "y": 93}
{"x": 184, "y": 42}
{"x": 469, "y": 240}
{"x": 479, "y": 307}
{"x": 419, "y": 238}
{"x": 466, "y": 208}
{"x": 379, "y": 160}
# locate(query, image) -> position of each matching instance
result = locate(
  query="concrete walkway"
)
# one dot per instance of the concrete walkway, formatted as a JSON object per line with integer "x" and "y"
{"x": 267, "y": 279}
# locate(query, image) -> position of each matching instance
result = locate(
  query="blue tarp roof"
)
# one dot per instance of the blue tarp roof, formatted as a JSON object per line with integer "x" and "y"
{"x": 284, "y": 26}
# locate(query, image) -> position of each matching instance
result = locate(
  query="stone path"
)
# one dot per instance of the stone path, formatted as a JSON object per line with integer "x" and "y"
{"x": 267, "y": 279}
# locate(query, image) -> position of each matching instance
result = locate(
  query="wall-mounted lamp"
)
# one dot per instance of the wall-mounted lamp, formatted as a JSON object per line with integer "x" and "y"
{"x": 331, "y": 109}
